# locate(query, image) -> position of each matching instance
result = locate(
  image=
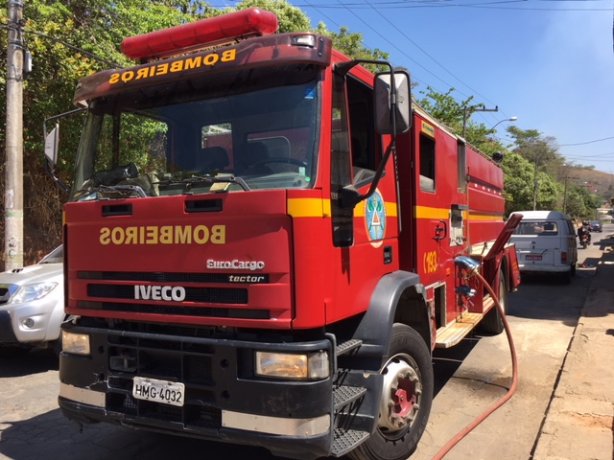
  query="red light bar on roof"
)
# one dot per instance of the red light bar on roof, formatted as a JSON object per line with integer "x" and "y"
{"x": 159, "y": 43}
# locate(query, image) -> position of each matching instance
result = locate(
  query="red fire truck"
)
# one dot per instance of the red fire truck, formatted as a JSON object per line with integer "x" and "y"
{"x": 265, "y": 242}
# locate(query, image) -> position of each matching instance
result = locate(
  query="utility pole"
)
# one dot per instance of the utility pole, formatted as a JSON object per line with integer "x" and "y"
{"x": 13, "y": 193}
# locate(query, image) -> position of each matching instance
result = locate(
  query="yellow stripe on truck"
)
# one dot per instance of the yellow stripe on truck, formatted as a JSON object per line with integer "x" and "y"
{"x": 308, "y": 207}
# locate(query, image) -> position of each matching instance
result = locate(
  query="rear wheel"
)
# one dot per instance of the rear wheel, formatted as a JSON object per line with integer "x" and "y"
{"x": 406, "y": 399}
{"x": 492, "y": 324}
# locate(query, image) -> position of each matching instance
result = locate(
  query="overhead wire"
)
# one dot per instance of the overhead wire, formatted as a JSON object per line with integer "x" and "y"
{"x": 426, "y": 53}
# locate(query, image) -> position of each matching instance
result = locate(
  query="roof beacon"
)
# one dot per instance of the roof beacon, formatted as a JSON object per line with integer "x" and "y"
{"x": 200, "y": 34}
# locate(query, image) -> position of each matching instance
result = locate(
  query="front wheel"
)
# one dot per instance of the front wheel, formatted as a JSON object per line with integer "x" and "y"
{"x": 406, "y": 399}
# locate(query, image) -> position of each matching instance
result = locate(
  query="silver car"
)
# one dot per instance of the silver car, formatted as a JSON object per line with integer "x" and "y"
{"x": 32, "y": 302}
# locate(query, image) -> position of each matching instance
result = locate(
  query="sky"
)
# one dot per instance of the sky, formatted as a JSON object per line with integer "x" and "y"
{"x": 548, "y": 62}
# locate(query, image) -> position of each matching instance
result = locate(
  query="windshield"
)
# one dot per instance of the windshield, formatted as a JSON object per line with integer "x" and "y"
{"x": 545, "y": 228}
{"x": 178, "y": 139}
{"x": 54, "y": 257}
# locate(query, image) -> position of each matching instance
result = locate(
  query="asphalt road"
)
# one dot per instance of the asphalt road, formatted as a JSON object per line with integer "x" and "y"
{"x": 543, "y": 315}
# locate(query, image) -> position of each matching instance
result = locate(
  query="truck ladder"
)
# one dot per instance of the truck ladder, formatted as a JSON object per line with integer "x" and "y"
{"x": 347, "y": 397}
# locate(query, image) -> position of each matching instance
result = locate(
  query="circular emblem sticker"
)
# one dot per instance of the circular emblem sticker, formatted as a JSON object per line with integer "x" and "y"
{"x": 375, "y": 218}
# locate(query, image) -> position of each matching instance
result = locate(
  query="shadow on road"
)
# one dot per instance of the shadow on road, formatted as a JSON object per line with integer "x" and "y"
{"x": 447, "y": 361}
{"x": 51, "y": 435}
{"x": 18, "y": 362}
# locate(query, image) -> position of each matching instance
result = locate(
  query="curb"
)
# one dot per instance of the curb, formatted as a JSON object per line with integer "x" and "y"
{"x": 579, "y": 421}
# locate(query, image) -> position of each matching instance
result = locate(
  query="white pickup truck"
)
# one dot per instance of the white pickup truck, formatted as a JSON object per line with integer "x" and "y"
{"x": 32, "y": 303}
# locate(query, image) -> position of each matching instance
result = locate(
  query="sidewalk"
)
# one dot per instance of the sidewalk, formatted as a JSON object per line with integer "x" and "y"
{"x": 579, "y": 422}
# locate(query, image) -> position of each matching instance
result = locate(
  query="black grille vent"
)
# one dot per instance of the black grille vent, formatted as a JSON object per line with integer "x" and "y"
{"x": 177, "y": 310}
{"x": 155, "y": 277}
{"x": 192, "y": 294}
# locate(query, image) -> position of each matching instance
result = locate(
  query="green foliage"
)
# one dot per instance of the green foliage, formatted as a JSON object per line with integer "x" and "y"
{"x": 97, "y": 27}
{"x": 518, "y": 183}
{"x": 351, "y": 44}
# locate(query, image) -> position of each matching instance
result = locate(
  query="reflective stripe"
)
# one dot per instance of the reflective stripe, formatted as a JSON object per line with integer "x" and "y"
{"x": 317, "y": 207}
{"x": 308, "y": 207}
{"x": 424, "y": 212}
{"x": 276, "y": 425}
{"x": 82, "y": 395}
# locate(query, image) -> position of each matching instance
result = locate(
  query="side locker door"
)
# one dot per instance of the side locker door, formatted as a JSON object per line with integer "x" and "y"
{"x": 441, "y": 214}
{"x": 432, "y": 218}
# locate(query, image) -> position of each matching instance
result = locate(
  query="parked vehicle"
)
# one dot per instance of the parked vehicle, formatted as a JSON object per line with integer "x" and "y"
{"x": 32, "y": 302}
{"x": 595, "y": 226}
{"x": 546, "y": 243}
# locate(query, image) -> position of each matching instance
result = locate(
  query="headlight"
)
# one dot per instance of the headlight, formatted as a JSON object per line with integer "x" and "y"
{"x": 30, "y": 292}
{"x": 309, "y": 366}
{"x": 78, "y": 344}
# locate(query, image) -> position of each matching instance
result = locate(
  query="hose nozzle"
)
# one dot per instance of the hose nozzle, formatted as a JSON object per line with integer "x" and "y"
{"x": 467, "y": 262}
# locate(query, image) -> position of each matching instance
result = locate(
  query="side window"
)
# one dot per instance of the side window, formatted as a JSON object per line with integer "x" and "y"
{"x": 365, "y": 144}
{"x": 427, "y": 163}
{"x": 341, "y": 173}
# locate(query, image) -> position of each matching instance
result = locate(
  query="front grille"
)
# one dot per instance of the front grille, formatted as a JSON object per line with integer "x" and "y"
{"x": 192, "y": 294}
{"x": 176, "y": 361}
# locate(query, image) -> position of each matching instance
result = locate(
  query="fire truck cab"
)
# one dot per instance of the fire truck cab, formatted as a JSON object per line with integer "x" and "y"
{"x": 262, "y": 245}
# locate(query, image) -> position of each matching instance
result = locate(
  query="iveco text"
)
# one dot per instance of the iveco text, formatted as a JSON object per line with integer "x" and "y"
{"x": 168, "y": 293}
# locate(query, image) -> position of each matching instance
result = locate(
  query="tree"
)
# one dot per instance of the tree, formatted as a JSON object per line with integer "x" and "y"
{"x": 351, "y": 44}
{"x": 70, "y": 39}
{"x": 291, "y": 18}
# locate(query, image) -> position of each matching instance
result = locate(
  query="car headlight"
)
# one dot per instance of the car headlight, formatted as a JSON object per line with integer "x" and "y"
{"x": 299, "y": 366}
{"x": 30, "y": 292}
{"x": 78, "y": 344}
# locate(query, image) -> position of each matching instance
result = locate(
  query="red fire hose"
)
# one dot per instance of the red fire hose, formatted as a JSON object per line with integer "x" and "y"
{"x": 465, "y": 431}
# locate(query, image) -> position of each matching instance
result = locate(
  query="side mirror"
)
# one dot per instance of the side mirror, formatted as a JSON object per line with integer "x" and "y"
{"x": 51, "y": 144}
{"x": 389, "y": 103}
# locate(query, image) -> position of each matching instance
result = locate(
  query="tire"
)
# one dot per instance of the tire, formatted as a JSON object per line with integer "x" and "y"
{"x": 492, "y": 324}
{"x": 406, "y": 399}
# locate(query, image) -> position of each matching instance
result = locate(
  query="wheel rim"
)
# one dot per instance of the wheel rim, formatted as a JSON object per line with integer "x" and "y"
{"x": 401, "y": 395}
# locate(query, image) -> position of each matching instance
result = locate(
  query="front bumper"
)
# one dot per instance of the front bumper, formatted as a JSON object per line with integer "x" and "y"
{"x": 224, "y": 401}
{"x": 43, "y": 322}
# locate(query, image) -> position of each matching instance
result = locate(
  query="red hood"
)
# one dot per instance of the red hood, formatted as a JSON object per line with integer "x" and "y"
{"x": 220, "y": 259}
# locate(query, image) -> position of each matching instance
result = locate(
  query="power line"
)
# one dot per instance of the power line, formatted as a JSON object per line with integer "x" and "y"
{"x": 68, "y": 45}
{"x": 587, "y": 142}
{"x": 449, "y": 4}
{"x": 407, "y": 37}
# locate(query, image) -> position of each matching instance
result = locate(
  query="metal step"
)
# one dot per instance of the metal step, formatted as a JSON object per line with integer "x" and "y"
{"x": 345, "y": 441}
{"x": 344, "y": 395}
{"x": 453, "y": 333}
{"x": 346, "y": 347}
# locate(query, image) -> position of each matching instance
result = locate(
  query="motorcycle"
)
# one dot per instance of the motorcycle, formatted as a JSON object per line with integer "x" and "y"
{"x": 585, "y": 240}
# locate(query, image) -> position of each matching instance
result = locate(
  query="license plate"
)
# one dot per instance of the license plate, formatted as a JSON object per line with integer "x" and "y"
{"x": 533, "y": 257}
{"x": 160, "y": 391}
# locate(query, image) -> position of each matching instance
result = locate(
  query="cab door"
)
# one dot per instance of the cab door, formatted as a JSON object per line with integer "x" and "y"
{"x": 366, "y": 237}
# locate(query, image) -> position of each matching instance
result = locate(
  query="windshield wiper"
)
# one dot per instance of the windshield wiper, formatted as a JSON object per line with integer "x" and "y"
{"x": 110, "y": 191}
{"x": 191, "y": 181}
